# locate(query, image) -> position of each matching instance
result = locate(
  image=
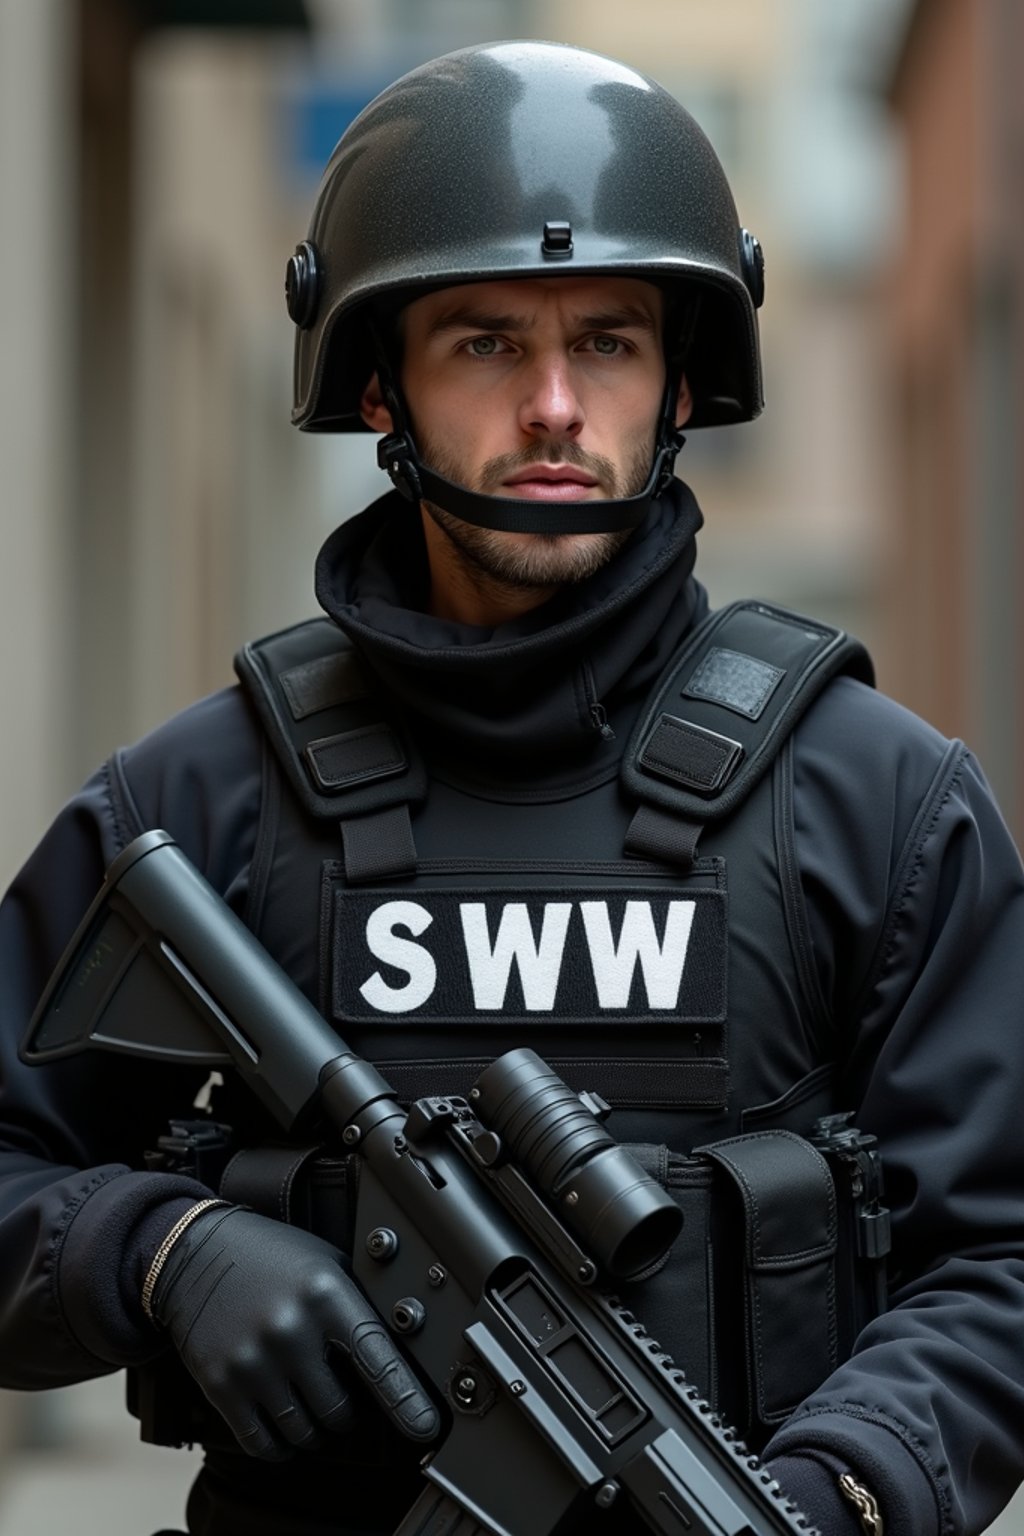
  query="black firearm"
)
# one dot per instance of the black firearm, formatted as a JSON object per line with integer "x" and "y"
{"x": 483, "y": 1226}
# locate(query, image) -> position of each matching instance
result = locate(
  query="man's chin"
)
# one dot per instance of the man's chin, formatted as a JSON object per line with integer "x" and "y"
{"x": 532, "y": 560}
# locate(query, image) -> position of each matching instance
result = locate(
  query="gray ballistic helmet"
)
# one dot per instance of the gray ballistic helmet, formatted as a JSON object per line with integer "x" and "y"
{"x": 522, "y": 159}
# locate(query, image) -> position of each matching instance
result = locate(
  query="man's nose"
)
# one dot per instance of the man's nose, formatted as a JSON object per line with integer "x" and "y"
{"x": 551, "y": 405}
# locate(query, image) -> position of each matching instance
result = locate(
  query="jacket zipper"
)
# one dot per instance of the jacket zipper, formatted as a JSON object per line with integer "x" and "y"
{"x": 598, "y": 717}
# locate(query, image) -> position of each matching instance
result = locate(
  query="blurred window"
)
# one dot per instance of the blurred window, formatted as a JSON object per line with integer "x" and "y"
{"x": 452, "y": 24}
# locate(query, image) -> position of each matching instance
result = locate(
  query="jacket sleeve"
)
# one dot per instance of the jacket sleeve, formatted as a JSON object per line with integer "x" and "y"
{"x": 898, "y": 824}
{"x": 79, "y": 1221}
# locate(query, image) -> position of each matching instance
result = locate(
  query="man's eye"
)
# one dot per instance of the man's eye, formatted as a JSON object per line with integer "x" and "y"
{"x": 607, "y": 345}
{"x": 484, "y": 346}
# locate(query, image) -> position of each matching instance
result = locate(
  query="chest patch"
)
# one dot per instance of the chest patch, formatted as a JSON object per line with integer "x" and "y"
{"x": 633, "y": 953}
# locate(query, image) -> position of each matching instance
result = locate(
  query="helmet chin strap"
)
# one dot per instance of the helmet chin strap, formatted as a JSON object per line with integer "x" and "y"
{"x": 398, "y": 455}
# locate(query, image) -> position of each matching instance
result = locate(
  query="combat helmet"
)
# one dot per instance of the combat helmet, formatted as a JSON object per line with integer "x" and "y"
{"x": 520, "y": 159}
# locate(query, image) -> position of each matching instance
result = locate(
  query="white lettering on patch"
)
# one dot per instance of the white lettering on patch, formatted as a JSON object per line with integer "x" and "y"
{"x": 385, "y": 944}
{"x": 614, "y": 964}
{"x": 539, "y": 962}
{"x": 474, "y": 956}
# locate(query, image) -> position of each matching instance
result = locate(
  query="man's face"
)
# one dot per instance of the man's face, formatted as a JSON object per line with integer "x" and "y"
{"x": 545, "y": 389}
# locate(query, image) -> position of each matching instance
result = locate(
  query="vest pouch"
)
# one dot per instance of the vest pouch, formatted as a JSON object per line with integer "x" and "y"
{"x": 858, "y": 1174}
{"x": 746, "y": 1300}
{"x": 775, "y": 1229}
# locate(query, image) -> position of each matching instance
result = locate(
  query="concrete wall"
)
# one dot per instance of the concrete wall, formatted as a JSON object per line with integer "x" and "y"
{"x": 37, "y": 407}
{"x": 957, "y": 338}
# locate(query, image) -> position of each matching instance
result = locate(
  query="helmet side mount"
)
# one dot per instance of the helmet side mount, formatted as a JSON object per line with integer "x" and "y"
{"x": 302, "y": 284}
{"x": 752, "y": 266}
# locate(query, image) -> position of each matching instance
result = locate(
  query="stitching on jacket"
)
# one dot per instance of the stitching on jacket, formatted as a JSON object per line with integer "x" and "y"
{"x": 265, "y": 843}
{"x": 939, "y": 803}
{"x": 56, "y": 1248}
{"x": 912, "y": 858}
{"x": 579, "y": 695}
{"x": 820, "y": 1017}
{"x": 123, "y": 805}
{"x": 122, "y": 831}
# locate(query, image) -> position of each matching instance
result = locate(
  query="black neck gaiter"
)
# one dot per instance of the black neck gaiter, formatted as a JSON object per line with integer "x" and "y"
{"x": 537, "y": 694}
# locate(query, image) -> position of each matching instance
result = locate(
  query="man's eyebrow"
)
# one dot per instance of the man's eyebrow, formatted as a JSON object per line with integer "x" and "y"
{"x": 623, "y": 318}
{"x": 469, "y": 318}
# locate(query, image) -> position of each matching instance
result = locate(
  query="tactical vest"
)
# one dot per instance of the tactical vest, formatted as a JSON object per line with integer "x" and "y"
{"x": 646, "y": 935}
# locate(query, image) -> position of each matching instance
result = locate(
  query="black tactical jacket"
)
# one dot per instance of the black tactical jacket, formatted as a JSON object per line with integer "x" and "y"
{"x": 874, "y": 961}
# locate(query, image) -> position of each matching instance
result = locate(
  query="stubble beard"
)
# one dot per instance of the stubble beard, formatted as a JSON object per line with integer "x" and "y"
{"x": 536, "y": 561}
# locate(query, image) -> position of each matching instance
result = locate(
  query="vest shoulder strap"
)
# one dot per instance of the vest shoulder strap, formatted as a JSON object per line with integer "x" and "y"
{"x": 720, "y": 715}
{"x": 344, "y": 757}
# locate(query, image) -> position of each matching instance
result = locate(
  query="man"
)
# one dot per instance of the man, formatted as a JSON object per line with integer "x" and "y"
{"x": 697, "y": 863}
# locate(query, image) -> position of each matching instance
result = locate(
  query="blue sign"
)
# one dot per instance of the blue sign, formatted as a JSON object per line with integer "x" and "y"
{"x": 320, "y": 111}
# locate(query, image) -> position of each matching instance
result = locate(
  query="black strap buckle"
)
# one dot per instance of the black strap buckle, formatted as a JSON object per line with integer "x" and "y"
{"x": 682, "y": 752}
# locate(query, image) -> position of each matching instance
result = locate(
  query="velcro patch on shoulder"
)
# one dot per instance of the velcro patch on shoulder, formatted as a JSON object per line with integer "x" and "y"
{"x": 633, "y": 953}
{"x": 739, "y": 682}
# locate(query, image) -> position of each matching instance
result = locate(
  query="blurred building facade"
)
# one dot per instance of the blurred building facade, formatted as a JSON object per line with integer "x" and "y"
{"x": 957, "y": 378}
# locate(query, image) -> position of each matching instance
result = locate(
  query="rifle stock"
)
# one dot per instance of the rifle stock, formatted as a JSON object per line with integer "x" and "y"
{"x": 558, "y": 1403}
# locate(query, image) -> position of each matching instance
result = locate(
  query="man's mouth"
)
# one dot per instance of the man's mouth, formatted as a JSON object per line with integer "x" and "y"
{"x": 550, "y": 482}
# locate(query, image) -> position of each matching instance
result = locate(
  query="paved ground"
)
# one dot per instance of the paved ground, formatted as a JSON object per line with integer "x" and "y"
{"x": 87, "y": 1474}
{"x": 96, "y": 1479}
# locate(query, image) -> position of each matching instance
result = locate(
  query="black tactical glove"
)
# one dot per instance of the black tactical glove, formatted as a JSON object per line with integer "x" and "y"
{"x": 261, "y": 1313}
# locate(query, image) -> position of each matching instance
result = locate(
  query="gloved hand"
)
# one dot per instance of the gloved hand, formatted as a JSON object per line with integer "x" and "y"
{"x": 261, "y": 1314}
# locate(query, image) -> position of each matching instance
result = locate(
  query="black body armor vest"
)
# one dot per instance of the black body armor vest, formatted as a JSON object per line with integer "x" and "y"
{"x": 644, "y": 934}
